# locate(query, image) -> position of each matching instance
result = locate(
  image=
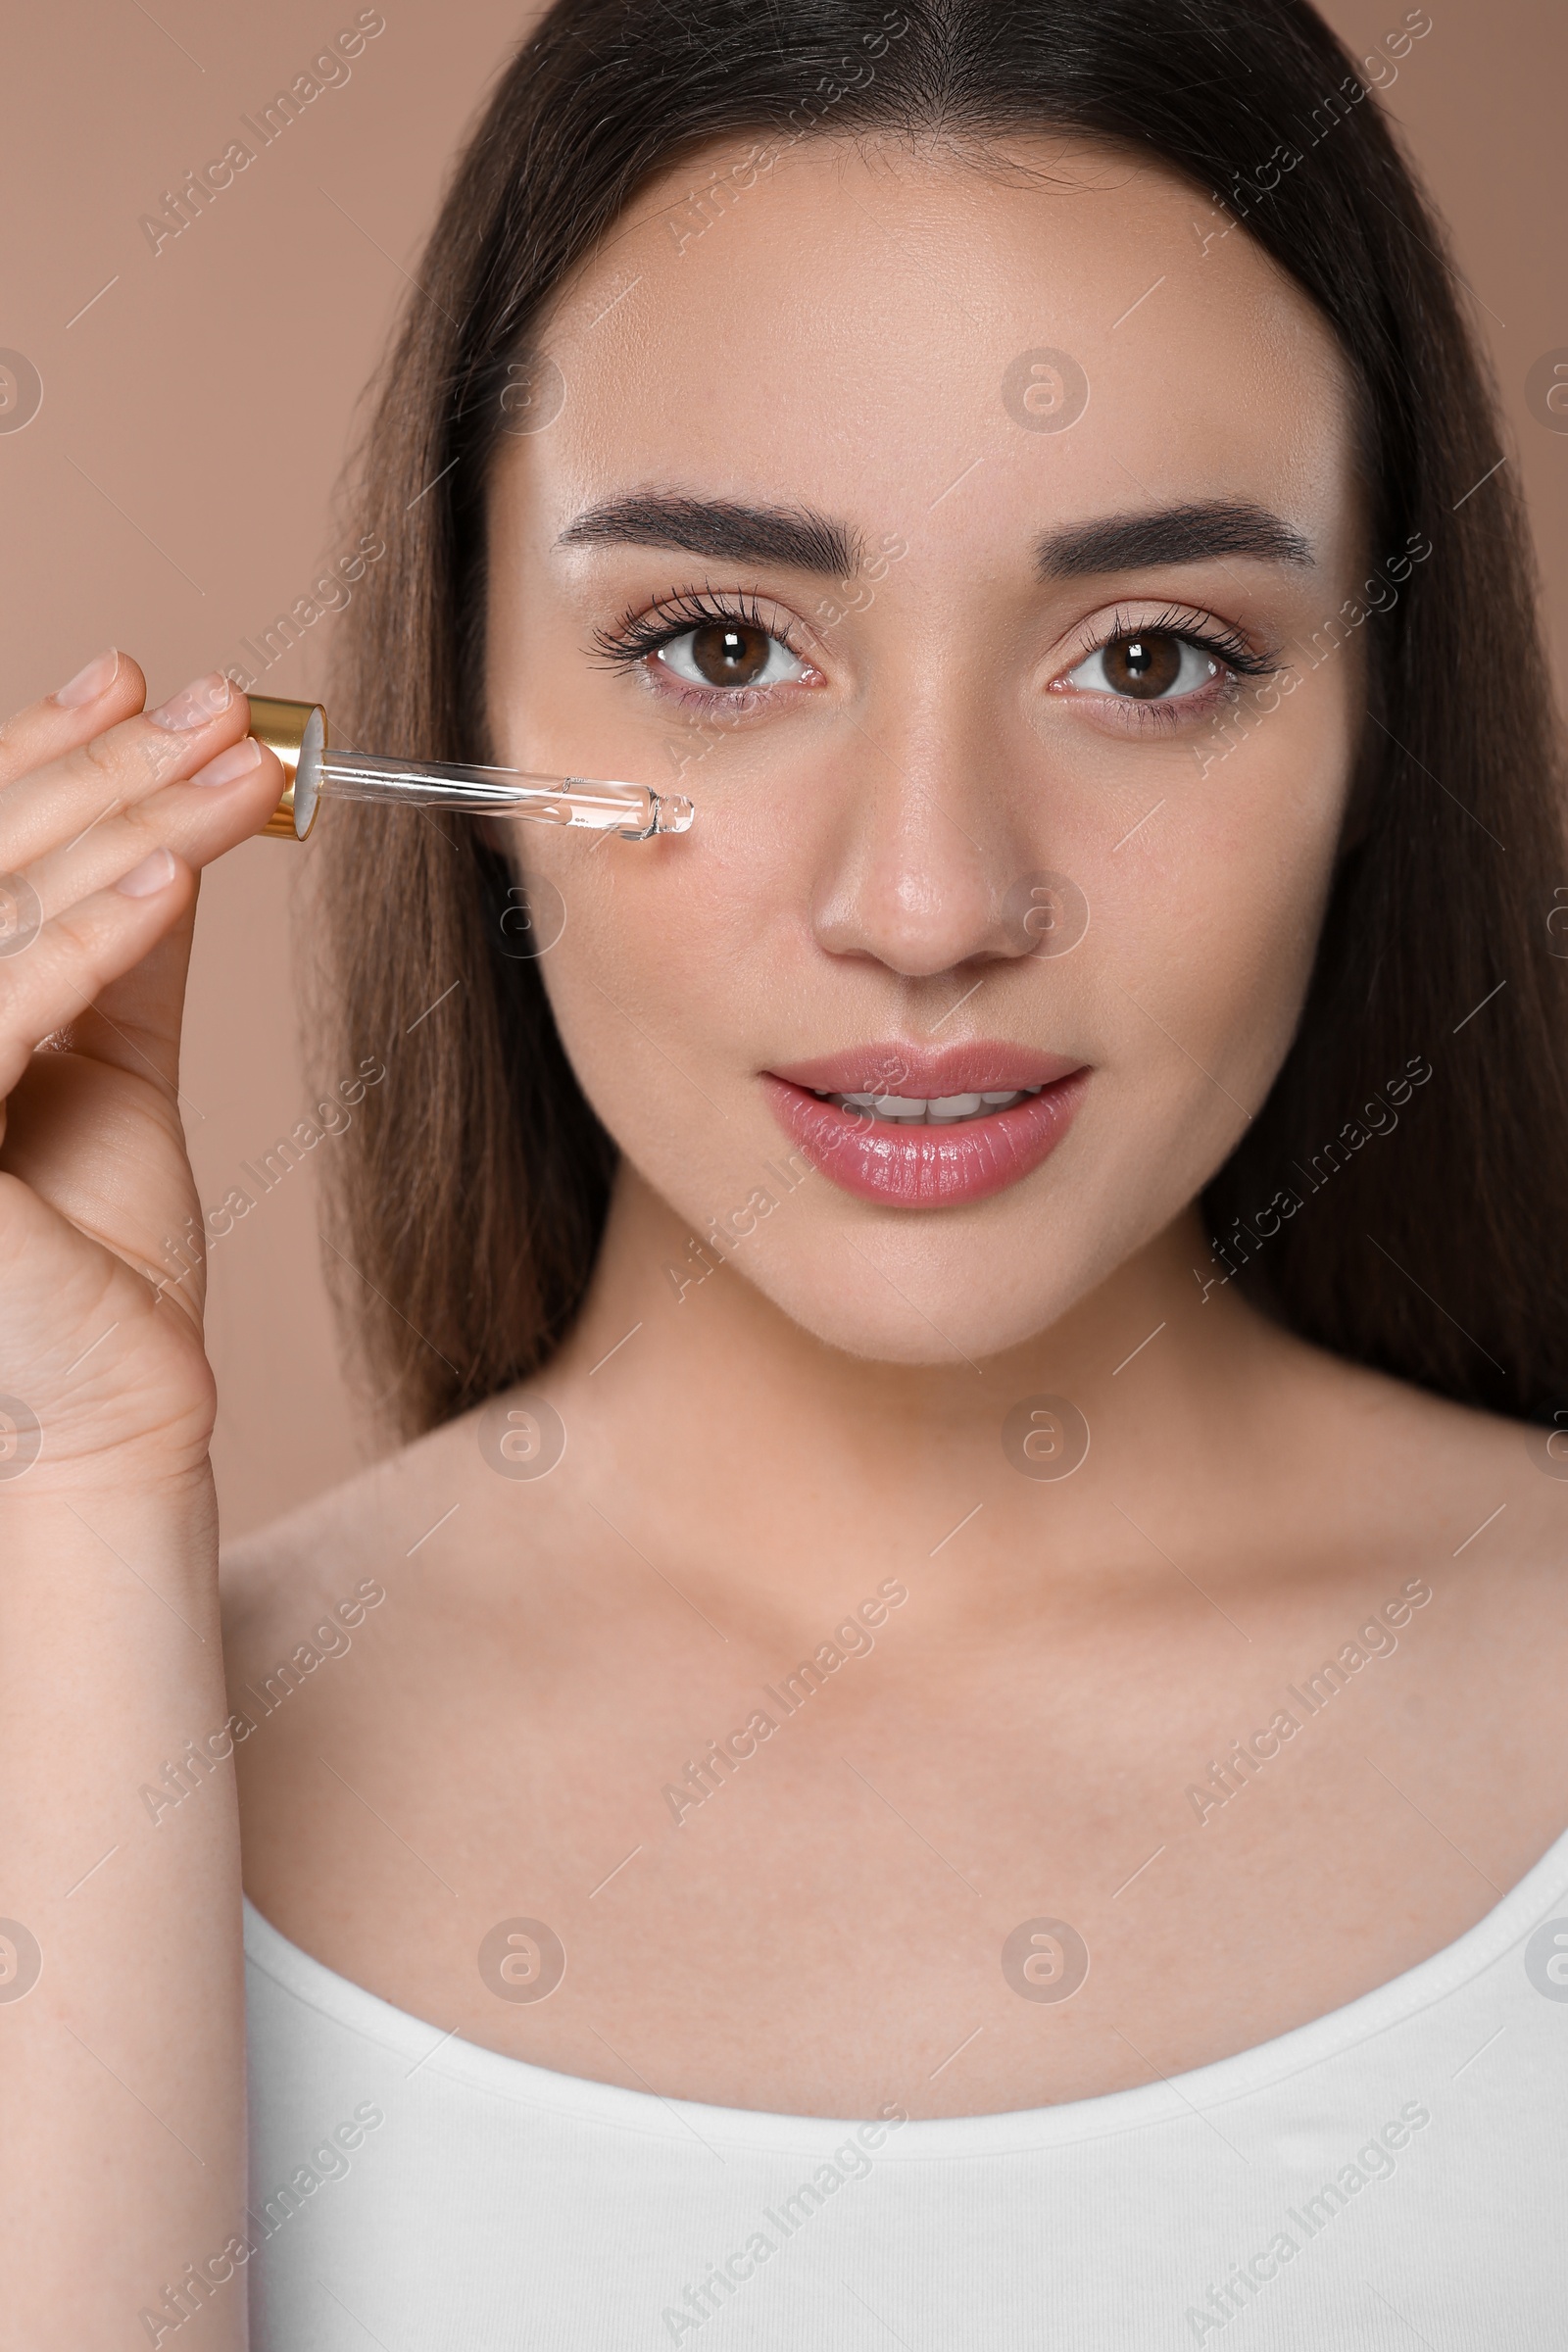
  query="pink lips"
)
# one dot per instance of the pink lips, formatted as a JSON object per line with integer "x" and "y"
{"x": 927, "y": 1167}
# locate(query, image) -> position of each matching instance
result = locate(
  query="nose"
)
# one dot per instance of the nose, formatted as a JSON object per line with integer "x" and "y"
{"x": 933, "y": 860}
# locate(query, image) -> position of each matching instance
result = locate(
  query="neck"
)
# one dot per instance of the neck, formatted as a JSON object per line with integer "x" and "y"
{"x": 773, "y": 1461}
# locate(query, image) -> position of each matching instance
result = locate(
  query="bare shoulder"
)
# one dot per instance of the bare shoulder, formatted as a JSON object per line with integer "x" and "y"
{"x": 276, "y": 1578}
{"x": 1477, "y": 1500}
{"x": 289, "y": 1566}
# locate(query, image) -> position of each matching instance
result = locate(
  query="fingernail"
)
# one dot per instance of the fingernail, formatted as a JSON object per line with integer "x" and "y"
{"x": 228, "y": 768}
{"x": 194, "y": 705}
{"x": 90, "y": 682}
{"x": 154, "y": 873}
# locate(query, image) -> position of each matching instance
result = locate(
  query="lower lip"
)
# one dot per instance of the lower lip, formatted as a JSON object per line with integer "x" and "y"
{"x": 927, "y": 1167}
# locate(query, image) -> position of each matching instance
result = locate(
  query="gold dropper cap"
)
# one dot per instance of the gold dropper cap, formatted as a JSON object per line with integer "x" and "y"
{"x": 286, "y": 729}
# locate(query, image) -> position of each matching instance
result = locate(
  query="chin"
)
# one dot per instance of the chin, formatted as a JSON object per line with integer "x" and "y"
{"x": 882, "y": 1306}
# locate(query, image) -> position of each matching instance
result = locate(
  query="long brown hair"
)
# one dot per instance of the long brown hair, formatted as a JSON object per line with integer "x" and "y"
{"x": 1410, "y": 1222}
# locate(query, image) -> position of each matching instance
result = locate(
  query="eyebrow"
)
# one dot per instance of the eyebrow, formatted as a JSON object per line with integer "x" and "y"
{"x": 805, "y": 541}
{"x": 1187, "y": 534}
{"x": 721, "y": 527}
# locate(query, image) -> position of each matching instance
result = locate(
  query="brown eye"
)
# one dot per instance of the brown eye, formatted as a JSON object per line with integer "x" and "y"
{"x": 730, "y": 651}
{"x": 1145, "y": 667}
{"x": 729, "y": 656}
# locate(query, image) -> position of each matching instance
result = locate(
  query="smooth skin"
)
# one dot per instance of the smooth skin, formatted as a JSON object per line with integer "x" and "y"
{"x": 123, "y": 2151}
{"x": 751, "y": 1457}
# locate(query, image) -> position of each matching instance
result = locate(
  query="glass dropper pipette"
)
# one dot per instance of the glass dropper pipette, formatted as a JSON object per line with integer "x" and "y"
{"x": 297, "y": 733}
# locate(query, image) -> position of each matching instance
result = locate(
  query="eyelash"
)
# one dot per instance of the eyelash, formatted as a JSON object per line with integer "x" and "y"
{"x": 1200, "y": 705}
{"x": 1226, "y": 645}
{"x": 637, "y": 634}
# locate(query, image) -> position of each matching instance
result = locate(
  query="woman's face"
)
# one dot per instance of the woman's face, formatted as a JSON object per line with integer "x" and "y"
{"x": 933, "y": 529}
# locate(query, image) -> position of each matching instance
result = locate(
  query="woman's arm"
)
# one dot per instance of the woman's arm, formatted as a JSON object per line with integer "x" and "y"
{"x": 124, "y": 2099}
{"x": 121, "y": 2039}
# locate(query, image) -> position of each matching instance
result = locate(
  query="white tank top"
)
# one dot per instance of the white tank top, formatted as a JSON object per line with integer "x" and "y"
{"x": 1392, "y": 2174}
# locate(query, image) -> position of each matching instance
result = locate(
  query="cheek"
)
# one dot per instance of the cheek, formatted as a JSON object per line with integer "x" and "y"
{"x": 1223, "y": 910}
{"x": 666, "y": 985}
{"x": 1200, "y": 952}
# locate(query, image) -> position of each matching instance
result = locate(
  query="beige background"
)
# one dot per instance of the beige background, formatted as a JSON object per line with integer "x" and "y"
{"x": 173, "y": 491}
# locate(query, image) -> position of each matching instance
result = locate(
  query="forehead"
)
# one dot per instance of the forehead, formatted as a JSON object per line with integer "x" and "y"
{"x": 883, "y": 330}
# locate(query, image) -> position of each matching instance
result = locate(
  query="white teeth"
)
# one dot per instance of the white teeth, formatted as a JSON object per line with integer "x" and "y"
{"x": 939, "y": 1110}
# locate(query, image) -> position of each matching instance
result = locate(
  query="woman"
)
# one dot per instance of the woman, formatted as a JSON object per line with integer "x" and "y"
{"x": 962, "y": 1656}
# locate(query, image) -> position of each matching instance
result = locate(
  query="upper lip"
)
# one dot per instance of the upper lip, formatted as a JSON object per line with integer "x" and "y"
{"x": 980, "y": 1065}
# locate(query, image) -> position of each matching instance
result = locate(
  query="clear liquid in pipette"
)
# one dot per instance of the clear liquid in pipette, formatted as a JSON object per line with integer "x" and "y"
{"x": 633, "y": 811}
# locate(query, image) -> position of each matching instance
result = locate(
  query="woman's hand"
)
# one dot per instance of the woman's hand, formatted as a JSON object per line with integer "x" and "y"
{"x": 106, "y": 814}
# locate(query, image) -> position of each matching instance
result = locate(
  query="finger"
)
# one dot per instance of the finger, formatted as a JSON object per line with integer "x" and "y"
{"x": 135, "y": 1022}
{"x": 61, "y": 800}
{"x": 198, "y": 817}
{"x": 73, "y": 958}
{"x": 107, "y": 688}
